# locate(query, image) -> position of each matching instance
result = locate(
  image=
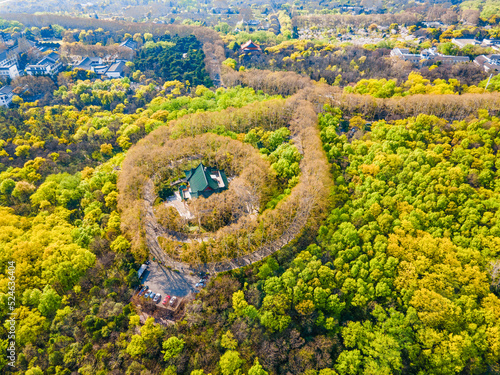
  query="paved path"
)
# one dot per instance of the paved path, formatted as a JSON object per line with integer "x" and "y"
{"x": 165, "y": 281}
{"x": 181, "y": 207}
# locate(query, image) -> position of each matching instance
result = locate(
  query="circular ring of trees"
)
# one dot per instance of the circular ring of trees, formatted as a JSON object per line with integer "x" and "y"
{"x": 228, "y": 217}
{"x": 236, "y": 231}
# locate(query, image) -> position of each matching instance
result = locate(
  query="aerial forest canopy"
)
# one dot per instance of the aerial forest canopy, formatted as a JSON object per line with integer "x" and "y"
{"x": 307, "y": 189}
{"x": 352, "y": 225}
{"x": 174, "y": 59}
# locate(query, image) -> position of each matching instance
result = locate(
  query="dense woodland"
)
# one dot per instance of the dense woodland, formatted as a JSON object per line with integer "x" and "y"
{"x": 288, "y": 186}
{"x": 346, "y": 65}
{"x": 384, "y": 177}
{"x": 175, "y": 58}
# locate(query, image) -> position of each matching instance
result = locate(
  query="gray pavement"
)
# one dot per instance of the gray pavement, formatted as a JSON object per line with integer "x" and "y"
{"x": 162, "y": 280}
{"x": 182, "y": 208}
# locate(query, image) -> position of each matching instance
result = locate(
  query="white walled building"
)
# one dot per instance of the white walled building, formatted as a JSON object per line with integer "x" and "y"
{"x": 8, "y": 68}
{"x": 49, "y": 65}
{"x": 6, "y": 95}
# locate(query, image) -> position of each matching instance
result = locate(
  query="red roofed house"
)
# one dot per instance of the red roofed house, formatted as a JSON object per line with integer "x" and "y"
{"x": 250, "y": 47}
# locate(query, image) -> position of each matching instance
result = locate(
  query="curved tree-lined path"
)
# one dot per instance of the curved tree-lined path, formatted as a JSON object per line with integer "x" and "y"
{"x": 310, "y": 174}
{"x": 155, "y": 230}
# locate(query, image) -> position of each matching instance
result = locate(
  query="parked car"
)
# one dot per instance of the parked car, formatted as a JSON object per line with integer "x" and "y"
{"x": 200, "y": 283}
{"x": 173, "y": 300}
{"x": 142, "y": 290}
{"x": 165, "y": 300}
{"x": 148, "y": 294}
{"x": 157, "y": 297}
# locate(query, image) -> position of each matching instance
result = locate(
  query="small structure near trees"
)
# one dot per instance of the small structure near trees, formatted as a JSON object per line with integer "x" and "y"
{"x": 6, "y": 95}
{"x": 141, "y": 270}
{"x": 203, "y": 181}
{"x": 250, "y": 47}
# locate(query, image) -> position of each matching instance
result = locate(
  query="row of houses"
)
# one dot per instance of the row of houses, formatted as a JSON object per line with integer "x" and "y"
{"x": 51, "y": 64}
{"x": 428, "y": 55}
{"x": 102, "y": 68}
{"x": 491, "y": 43}
{"x": 9, "y": 66}
{"x": 489, "y": 63}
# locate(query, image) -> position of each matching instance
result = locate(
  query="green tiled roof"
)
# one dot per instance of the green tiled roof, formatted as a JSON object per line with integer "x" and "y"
{"x": 181, "y": 191}
{"x": 199, "y": 179}
{"x": 200, "y": 182}
{"x": 211, "y": 182}
{"x": 224, "y": 178}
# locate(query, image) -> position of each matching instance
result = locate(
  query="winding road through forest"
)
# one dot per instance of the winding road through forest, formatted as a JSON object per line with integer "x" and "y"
{"x": 184, "y": 270}
{"x": 305, "y": 206}
{"x": 154, "y": 230}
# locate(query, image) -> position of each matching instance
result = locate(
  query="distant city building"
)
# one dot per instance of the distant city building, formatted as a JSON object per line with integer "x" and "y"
{"x": 404, "y": 54}
{"x": 8, "y": 68}
{"x": 490, "y": 42}
{"x": 430, "y": 54}
{"x": 252, "y": 23}
{"x": 250, "y": 47}
{"x": 6, "y": 38}
{"x": 433, "y": 24}
{"x": 490, "y": 63}
{"x": 203, "y": 181}
{"x": 115, "y": 70}
{"x": 93, "y": 64}
{"x": 221, "y": 10}
{"x": 6, "y": 95}
{"x": 462, "y": 42}
{"x": 354, "y": 10}
{"x": 50, "y": 65}
{"x": 129, "y": 43}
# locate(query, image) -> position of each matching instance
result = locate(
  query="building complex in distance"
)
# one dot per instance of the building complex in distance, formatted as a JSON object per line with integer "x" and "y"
{"x": 430, "y": 55}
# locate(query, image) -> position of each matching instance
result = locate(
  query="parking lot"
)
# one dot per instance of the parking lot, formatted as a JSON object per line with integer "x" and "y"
{"x": 162, "y": 280}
